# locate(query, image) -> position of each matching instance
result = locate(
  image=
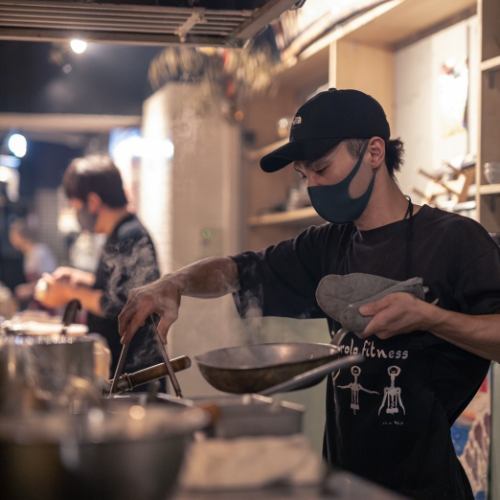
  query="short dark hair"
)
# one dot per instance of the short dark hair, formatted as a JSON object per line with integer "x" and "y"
{"x": 394, "y": 151}
{"x": 95, "y": 174}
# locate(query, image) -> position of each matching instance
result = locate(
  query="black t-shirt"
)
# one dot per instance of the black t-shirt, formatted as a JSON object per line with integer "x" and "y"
{"x": 128, "y": 260}
{"x": 389, "y": 418}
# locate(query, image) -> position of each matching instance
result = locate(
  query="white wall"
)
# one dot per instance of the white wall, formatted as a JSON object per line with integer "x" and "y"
{"x": 191, "y": 206}
{"x": 417, "y": 119}
{"x": 200, "y": 190}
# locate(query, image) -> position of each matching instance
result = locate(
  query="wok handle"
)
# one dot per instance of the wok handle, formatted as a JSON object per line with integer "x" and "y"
{"x": 128, "y": 381}
{"x": 304, "y": 378}
{"x": 338, "y": 336}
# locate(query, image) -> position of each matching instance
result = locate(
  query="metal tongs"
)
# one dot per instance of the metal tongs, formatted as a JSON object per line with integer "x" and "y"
{"x": 171, "y": 373}
{"x": 163, "y": 351}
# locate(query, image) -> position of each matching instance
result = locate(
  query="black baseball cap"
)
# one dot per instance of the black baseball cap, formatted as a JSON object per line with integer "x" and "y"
{"x": 326, "y": 119}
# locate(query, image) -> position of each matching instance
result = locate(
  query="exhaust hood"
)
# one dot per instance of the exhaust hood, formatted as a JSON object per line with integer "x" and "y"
{"x": 153, "y": 22}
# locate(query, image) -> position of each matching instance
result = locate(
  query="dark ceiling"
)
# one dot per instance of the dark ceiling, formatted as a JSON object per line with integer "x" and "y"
{"x": 49, "y": 78}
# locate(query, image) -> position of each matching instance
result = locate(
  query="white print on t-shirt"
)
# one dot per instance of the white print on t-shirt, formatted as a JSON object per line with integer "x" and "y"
{"x": 369, "y": 350}
{"x": 392, "y": 394}
{"x": 355, "y": 388}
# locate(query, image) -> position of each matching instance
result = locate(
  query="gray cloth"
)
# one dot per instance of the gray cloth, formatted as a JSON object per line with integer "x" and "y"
{"x": 341, "y": 296}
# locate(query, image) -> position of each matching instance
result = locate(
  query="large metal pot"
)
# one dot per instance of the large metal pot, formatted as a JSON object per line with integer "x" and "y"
{"x": 230, "y": 416}
{"x": 44, "y": 371}
{"x": 127, "y": 452}
{"x": 37, "y": 325}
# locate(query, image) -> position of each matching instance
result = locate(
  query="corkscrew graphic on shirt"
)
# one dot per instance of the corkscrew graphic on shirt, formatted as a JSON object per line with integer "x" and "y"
{"x": 392, "y": 401}
{"x": 355, "y": 388}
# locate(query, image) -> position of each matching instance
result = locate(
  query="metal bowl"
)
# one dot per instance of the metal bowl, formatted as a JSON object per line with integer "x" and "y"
{"x": 130, "y": 452}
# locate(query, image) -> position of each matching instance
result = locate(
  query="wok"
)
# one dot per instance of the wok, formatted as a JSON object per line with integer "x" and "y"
{"x": 259, "y": 367}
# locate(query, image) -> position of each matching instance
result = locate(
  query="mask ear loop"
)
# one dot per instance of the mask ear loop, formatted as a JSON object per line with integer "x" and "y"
{"x": 358, "y": 163}
{"x": 344, "y": 265}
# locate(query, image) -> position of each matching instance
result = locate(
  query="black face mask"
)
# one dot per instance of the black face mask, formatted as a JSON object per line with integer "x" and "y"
{"x": 86, "y": 219}
{"x": 334, "y": 203}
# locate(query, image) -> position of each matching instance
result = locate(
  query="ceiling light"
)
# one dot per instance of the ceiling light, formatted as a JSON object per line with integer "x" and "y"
{"x": 78, "y": 46}
{"x": 18, "y": 145}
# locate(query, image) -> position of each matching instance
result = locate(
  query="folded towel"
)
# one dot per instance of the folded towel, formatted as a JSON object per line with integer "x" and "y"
{"x": 251, "y": 462}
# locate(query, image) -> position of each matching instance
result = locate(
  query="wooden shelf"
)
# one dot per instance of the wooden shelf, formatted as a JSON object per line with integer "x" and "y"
{"x": 389, "y": 25}
{"x": 486, "y": 189}
{"x": 409, "y": 20}
{"x": 257, "y": 154}
{"x": 492, "y": 64}
{"x": 393, "y": 23}
{"x": 306, "y": 70}
{"x": 300, "y": 216}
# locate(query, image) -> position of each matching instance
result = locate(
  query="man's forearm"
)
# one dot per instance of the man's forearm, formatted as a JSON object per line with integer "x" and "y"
{"x": 207, "y": 278}
{"x": 478, "y": 334}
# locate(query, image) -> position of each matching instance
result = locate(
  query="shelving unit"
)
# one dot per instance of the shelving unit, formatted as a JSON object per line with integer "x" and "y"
{"x": 489, "y": 189}
{"x": 492, "y": 64}
{"x": 257, "y": 154}
{"x": 489, "y": 109}
{"x": 487, "y": 195}
{"x": 300, "y": 216}
{"x": 370, "y": 40}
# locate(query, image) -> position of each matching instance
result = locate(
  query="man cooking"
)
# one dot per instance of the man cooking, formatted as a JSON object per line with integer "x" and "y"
{"x": 389, "y": 418}
{"x": 94, "y": 188}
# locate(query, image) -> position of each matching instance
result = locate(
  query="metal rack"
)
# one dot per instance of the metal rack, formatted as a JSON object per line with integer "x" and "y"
{"x": 192, "y": 22}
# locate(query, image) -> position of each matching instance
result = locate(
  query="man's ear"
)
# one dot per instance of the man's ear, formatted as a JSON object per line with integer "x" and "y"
{"x": 376, "y": 152}
{"x": 94, "y": 202}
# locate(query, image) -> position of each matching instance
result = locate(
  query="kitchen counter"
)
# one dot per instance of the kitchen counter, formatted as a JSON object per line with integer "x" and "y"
{"x": 249, "y": 467}
{"x": 338, "y": 485}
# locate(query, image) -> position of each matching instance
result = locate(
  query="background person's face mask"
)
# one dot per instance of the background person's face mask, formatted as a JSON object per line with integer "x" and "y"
{"x": 86, "y": 219}
{"x": 334, "y": 203}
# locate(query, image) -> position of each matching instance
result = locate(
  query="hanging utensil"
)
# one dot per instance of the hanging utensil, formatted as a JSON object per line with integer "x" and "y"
{"x": 305, "y": 379}
{"x": 69, "y": 315}
{"x": 163, "y": 350}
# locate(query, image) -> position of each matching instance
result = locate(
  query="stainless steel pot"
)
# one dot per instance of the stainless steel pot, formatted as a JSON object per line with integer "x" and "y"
{"x": 251, "y": 415}
{"x": 230, "y": 416}
{"x": 44, "y": 371}
{"x": 127, "y": 452}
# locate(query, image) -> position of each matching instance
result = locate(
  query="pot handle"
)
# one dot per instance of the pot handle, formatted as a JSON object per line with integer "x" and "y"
{"x": 304, "y": 378}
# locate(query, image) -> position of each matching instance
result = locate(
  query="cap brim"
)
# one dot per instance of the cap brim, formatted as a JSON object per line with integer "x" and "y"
{"x": 297, "y": 151}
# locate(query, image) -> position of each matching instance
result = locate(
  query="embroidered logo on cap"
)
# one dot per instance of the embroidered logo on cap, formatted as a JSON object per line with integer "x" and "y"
{"x": 297, "y": 120}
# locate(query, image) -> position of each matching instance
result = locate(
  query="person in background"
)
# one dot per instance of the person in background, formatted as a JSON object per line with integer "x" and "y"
{"x": 11, "y": 260}
{"x": 94, "y": 188}
{"x": 38, "y": 258}
{"x": 424, "y": 359}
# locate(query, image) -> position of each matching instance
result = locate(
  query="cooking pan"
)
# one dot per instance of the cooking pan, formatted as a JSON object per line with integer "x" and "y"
{"x": 258, "y": 367}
